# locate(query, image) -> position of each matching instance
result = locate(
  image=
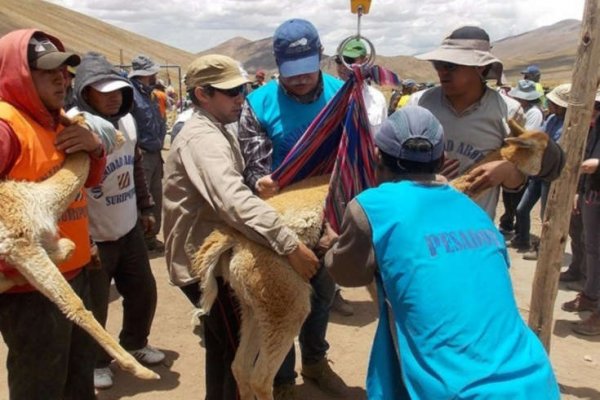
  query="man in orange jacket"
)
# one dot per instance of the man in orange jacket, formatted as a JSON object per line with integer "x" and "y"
{"x": 48, "y": 356}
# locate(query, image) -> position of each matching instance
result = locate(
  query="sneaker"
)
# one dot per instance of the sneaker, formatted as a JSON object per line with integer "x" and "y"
{"x": 321, "y": 374}
{"x": 531, "y": 255}
{"x": 148, "y": 355}
{"x": 580, "y": 303}
{"x": 569, "y": 276}
{"x": 286, "y": 391}
{"x": 153, "y": 244}
{"x": 519, "y": 244}
{"x": 103, "y": 378}
{"x": 341, "y": 305}
{"x": 589, "y": 326}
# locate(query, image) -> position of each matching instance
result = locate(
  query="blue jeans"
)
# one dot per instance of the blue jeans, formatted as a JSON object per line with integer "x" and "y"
{"x": 535, "y": 189}
{"x": 313, "y": 345}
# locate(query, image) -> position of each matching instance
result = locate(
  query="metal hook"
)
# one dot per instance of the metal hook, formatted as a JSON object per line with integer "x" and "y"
{"x": 370, "y": 60}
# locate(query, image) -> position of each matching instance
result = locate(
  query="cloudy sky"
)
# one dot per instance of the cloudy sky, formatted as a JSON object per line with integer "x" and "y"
{"x": 396, "y": 27}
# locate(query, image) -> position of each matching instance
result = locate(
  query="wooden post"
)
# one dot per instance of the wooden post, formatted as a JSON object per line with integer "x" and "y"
{"x": 555, "y": 225}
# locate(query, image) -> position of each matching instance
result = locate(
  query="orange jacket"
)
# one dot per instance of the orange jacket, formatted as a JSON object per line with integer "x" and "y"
{"x": 28, "y": 129}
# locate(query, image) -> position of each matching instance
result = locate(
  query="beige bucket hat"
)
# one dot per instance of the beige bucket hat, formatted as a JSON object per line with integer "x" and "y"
{"x": 468, "y": 45}
{"x": 560, "y": 95}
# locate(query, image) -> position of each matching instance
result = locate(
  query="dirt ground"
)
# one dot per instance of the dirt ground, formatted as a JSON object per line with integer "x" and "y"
{"x": 575, "y": 358}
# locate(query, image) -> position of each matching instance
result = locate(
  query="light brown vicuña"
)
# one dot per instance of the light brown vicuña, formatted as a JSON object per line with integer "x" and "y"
{"x": 525, "y": 149}
{"x": 29, "y": 212}
{"x": 274, "y": 299}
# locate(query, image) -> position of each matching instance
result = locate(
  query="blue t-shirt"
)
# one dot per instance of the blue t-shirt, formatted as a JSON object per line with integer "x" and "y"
{"x": 285, "y": 119}
{"x": 444, "y": 269}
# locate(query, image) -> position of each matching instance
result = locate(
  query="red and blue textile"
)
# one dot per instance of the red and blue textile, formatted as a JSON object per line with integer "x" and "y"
{"x": 339, "y": 142}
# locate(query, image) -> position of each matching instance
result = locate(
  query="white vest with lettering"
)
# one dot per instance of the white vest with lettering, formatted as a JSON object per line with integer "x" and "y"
{"x": 112, "y": 206}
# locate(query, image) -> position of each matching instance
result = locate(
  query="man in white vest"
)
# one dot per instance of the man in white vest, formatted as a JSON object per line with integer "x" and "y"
{"x": 113, "y": 208}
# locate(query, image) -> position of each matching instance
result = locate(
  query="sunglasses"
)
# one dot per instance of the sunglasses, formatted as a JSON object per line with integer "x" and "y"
{"x": 596, "y": 106}
{"x": 347, "y": 60}
{"x": 233, "y": 92}
{"x": 444, "y": 65}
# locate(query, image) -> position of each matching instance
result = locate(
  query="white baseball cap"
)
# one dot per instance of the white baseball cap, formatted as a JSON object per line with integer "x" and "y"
{"x": 110, "y": 85}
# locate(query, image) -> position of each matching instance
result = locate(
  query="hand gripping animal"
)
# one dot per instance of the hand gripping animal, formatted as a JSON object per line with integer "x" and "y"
{"x": 29, "y": 242}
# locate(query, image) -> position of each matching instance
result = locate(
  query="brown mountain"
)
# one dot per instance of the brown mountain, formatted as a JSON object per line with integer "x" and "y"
{"x": 81, "y": 33}
{"x": 552, "y": 47}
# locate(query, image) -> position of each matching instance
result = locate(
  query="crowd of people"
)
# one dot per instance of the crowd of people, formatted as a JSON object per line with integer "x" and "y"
{"x": 439, "y": 335}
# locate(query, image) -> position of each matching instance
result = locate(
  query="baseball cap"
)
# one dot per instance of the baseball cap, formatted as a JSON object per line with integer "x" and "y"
{"x": 143, "y": 66}
{"x": 43, "y": 54}
{"x": 531, "y": 70}
{"x": 525, "y": 90}
{"x": 468, "y": 45}
{"x": 216, "y": 70}
{"x": 109, "y": 85}
{"x": 354, "y": 48}
{"x": 297, "y": 48}
{"x": 411, "y": 122}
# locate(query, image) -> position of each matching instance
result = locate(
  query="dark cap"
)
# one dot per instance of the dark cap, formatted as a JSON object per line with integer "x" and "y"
{"x": 531, "y": 70}
{"x": 43, "y": 54}
{"x": 411, "y": 122}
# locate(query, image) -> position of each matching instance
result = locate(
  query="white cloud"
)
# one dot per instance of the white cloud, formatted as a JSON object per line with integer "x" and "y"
{"x": 395, "y": 27}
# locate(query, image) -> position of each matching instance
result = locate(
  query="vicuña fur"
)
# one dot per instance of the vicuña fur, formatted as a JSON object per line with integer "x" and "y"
{"x": 274, "y": 300}
{"x": 524, "y": 149}
{"x": 29, "y": 212}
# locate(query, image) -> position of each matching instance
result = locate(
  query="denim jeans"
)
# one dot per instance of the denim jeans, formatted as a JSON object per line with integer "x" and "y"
{"x": 591, "y": 220}
{"x": 535, "y": 189}
{"x": 577, "y": 235}
{"x": 313, "y": 345}
{"x": 49, "y": 357}
{"x": 125, "y": 261}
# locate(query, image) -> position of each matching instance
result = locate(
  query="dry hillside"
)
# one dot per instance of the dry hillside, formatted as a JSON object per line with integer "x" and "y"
{"x": 81, "y": 33}
{"x": 552, "y": 47}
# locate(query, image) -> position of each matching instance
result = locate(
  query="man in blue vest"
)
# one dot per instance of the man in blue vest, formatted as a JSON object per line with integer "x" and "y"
{"x": 273, "y": 118}
{"x": 441, "y": 269}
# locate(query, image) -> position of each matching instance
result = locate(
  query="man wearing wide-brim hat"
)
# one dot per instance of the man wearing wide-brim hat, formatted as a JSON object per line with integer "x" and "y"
{"x": 474, "y": 116}
{"x": 529, "y": 98}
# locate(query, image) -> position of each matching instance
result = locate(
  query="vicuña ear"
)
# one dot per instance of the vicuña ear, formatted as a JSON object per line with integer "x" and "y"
{"x": 520, "y": 142}
{"x": 515, "y": 129}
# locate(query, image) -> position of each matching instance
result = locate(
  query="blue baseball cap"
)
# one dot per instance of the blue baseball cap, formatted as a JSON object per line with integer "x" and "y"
{"x": 297, "y": 48}
{"x": 407, "y": 123}
{"x": 531, "y": 70}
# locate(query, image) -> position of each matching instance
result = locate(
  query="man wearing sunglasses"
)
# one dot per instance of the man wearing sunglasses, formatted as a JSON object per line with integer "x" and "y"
{"x": 204, "y": 190}
{"x": 474, "y": 116}
{"x": 273, "y": 119}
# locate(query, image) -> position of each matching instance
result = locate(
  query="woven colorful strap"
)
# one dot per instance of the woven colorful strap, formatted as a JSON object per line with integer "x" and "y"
{"x": 338, "y": 141}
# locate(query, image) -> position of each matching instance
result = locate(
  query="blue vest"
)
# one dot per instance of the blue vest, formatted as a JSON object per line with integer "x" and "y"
{"x": 285, "y": 119}
{"x": 443, "y": 267}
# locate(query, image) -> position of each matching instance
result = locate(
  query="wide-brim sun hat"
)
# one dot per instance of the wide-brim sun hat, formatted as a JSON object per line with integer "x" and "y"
{"x": 525, "y": 90}
{"x": 468, "y": 46}
{"x": 143, "y": 66}
{"x": 560, "y": 95}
